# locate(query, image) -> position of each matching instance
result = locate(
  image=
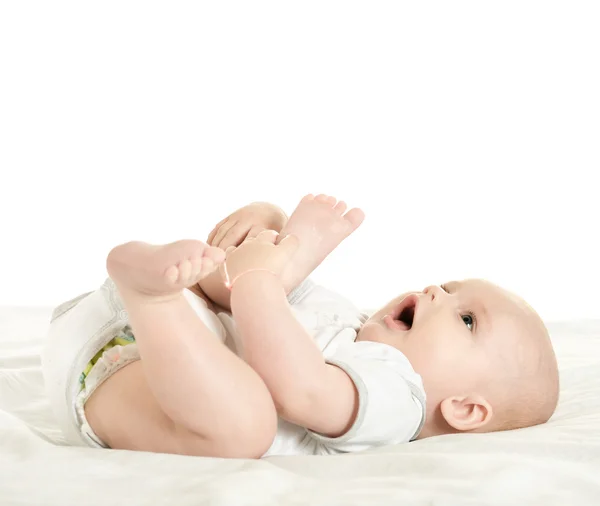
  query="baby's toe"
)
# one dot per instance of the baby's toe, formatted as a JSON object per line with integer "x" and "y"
{"x": 340, "y": 207}
{"x": 354, "y": 217}
{"x": 172, "y": 274}
{"x": 185, "y": 271}
{"x": 197, "y": 263}
{"x": 217, "y": 255}
{"x": 207, "y": 266}
{"x": 326, "y": 199}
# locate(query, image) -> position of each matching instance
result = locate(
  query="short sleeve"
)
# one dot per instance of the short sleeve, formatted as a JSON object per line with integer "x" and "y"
{"x": 391, "y": 397}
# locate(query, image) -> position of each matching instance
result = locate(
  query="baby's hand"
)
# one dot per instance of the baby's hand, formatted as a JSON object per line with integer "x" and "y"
{"x": 258, "y": 253}
{"x": 248, "y": 221}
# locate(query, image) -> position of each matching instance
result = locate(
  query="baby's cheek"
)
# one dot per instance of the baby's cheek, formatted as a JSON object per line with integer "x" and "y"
{"x": 430, "y": 356}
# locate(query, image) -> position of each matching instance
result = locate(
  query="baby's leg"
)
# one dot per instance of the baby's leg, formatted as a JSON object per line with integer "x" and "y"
{"x": 188, "y": 393}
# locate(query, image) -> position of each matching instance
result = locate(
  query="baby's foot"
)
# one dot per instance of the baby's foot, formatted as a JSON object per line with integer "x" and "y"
{"x": 321, "y": 225}
{"x": 161, "y": 272}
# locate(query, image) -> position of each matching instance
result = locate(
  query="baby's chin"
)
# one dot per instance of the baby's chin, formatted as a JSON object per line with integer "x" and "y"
{"x": 371, "y": 331}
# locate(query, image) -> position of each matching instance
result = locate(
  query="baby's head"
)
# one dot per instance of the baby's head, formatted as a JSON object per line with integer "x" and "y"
{"x": 484, "y": 355}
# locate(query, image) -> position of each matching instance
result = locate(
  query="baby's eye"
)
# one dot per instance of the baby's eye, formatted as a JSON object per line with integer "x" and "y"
{"x": 469, "y": 320}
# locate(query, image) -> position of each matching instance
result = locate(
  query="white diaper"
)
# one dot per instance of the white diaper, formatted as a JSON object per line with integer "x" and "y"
{"x": 86, "y": 344}
{"x": 111, "y": 360}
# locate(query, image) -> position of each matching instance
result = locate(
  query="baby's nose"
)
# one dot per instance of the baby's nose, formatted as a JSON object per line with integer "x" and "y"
{"x": 433, "y": 291}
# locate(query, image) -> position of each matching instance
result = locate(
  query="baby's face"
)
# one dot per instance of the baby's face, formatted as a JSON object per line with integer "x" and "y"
{"x": 458, "y": 337}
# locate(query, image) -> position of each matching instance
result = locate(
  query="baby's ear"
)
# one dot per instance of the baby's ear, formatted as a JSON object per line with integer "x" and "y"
{"x": 467, "y": 412}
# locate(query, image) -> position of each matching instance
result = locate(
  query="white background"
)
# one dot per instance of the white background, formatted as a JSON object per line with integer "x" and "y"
{"x": 469, "y": 133}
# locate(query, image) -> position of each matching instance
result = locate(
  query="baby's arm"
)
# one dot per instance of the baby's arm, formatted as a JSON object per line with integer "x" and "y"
{"x": 306, "y": 390}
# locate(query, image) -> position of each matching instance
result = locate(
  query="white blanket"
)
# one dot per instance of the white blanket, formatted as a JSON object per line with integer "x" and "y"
{"x": 558, "y": 463}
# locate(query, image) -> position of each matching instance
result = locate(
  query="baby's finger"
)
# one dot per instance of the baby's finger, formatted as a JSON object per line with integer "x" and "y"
{"x": 223, "y": 229}
{"x": 280, "y": 237}
{"x": 255, "y": 230}
{"x": 223, "y": 272}
{"x": 234, "y": 236}
{"x": 211, "y": 236}
{"x": 267, "y": 236}
{"x": 215, "y": 229}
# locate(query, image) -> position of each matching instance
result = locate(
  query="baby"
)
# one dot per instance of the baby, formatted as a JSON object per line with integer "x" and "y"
{"x": 230, "y": 350}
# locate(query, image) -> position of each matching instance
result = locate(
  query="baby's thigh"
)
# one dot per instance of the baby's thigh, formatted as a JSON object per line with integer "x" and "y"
{"x": 123, "y": 413}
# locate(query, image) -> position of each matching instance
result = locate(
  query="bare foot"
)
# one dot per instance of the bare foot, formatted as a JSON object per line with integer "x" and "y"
{"x": 321, "y": 225}
{"x": 161, "y": 272}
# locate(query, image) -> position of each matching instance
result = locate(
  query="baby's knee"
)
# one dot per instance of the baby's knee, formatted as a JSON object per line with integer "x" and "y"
{"x": 251, "y": 434}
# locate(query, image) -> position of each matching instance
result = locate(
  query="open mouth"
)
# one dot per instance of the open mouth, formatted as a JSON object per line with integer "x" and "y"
{"x": 403, "y": 316}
